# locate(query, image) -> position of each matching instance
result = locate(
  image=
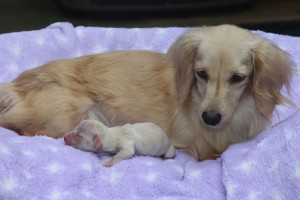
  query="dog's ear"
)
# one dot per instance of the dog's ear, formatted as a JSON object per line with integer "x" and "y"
{"x": 181, "y": 56}
{"x": 272, "y": 70}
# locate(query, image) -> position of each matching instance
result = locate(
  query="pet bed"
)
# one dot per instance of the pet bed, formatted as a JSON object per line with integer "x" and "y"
{"x": 40, "y": 167}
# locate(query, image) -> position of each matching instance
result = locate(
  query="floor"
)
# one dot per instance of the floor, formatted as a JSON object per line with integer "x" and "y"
{"x": 276, "y": 16}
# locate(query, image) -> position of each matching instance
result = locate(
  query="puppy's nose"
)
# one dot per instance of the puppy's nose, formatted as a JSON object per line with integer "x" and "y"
{"x": 211, "y": 118}
{"x": 68, "y": 139}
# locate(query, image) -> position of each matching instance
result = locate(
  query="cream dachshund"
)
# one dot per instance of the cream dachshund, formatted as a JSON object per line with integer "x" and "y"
{"x": 216, "y": 86}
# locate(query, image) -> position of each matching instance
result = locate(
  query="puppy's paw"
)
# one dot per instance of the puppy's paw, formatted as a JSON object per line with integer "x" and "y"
{"x": 108, "y": 164}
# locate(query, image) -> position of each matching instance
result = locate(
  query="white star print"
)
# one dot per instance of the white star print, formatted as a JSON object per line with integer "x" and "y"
{"x": 194, "y": 174}
{"x": 114, "y": 177}
{"x": 55, "y": 195}
{"x": 53, "y": 149}
{"x": 253, "y": 195}
{"x": 27, "y": 175}
{"x": 231, "y": 187}
{"x": 87, "y": 194}
{"x": 246, "y": 166}
{"x": 40, "y": 41}
{"x": 53, "y": 168}
{"x": 289, "y": 133}
{"x": 297, "y": 171}
{"x": 9, "y": 184}
{"x": 13, "y": 69}
{"x": 29, "y": 153}
{"x": 4, "y": 150}
{"x": 277, "y": 195}
{"x": 151, "y": 177}
{"x": 275, "y": 165}
{"x": 58, "y": 194}
{"x": 133, "y": 195}
{"x": 16, "y": 51}
{"x": 86, "y": 166}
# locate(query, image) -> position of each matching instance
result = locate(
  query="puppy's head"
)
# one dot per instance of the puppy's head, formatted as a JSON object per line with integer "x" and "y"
{"x": 218, "y": 66}
{"x": 86, "y": 136}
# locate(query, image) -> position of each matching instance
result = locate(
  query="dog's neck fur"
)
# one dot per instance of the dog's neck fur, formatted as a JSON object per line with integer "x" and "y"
{"x": 213, "y": 141}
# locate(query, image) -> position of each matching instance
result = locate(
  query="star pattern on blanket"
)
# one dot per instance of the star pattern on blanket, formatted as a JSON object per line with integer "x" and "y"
{"x": 9, "y": 184}
{"x": 16, "y": 51}
{"x": 54, "y": 168}
{"x": 40, "y": 41}
{"x": 4, "y": 150}
{"x": 28, "y": 175}
{"x": 297, "y": 171}
{"x": 272, "y": 171}
{"x": 266, "y": 167}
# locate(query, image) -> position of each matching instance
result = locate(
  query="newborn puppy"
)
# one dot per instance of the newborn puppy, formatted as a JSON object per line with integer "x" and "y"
{"x": 140, "y": 138}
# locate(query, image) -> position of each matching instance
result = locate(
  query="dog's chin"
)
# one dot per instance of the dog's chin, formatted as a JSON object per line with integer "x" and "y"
{"x": 218, "y": 126}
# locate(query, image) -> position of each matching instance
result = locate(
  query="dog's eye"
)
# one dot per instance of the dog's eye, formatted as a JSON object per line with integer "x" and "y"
{"x": 202, "y": 75}
{"x": 237, "y": 78}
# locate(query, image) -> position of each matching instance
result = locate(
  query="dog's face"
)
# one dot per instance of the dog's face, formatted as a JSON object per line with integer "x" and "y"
{"x": 220, "y": 81}
{"x": 216, "y": 66}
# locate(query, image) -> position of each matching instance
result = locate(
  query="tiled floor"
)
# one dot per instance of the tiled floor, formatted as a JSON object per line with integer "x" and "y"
{"x": 269, "y": 15}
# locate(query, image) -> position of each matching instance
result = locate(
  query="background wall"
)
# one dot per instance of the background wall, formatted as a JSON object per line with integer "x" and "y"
{"x": 268, "y": 15}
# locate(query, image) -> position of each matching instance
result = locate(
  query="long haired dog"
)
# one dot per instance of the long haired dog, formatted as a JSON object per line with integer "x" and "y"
{"x": 216, "y": 86}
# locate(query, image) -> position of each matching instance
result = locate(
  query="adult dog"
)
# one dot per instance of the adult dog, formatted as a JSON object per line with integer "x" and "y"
{"x": 215, "y": 86}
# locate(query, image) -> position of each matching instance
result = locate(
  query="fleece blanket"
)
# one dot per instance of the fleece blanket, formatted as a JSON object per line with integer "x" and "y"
{"x": 265, "y": 167}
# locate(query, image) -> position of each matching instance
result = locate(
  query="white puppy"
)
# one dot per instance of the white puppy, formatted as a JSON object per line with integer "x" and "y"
{"x": 140, "y": 138}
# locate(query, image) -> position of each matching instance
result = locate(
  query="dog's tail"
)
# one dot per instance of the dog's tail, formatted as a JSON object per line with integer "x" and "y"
{"x": 9, "y": 101}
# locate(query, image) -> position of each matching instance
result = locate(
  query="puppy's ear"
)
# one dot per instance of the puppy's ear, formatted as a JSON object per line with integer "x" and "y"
{"x": 97, "y": 144}
{"x": 272, "y": 70}
{"x": 181, "y": 56}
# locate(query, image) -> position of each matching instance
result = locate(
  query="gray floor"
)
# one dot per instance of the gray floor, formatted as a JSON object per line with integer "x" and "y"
{"x": 272, "y": 16}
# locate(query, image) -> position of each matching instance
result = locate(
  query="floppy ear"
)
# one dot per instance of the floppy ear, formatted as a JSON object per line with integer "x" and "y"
{"x": 181, "y": 56}
{"x": 272, "y": 70}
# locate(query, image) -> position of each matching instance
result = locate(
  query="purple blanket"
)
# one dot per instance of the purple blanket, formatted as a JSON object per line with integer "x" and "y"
{"x": 34, "y": 168}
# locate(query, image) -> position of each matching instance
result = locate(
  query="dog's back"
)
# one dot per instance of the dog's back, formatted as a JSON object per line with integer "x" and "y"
{"x": 53, "y": 98}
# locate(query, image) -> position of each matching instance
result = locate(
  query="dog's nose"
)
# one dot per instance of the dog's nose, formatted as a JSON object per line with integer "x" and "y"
{"x": 211, "y": 118}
